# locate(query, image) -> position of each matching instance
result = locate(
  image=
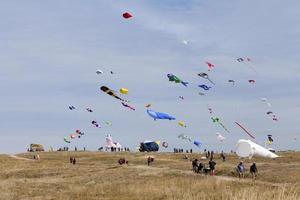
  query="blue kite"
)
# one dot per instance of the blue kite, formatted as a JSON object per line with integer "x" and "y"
{"x": 204, "y": 87}
{"x": 158, "y": 115}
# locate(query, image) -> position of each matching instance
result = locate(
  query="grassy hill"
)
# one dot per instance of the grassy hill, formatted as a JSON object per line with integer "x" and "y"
{"x": 97, "y": 175}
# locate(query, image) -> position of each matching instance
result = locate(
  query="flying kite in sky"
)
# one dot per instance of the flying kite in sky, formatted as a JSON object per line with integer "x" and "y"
{"x": 204, "y": 87}
{"x": 89, "y": 110}
{"x": 220, "y": 137}
{"x": 181, "y": 97}
{"x": 270, "y": 139}
{"x": 201, "y": 93}
{"x": 66, "y": 140}
{"x": 205, "y": 76}
{"x": 210, "y": 65}
{"x": 182, "y": 124}
{"x": 165, "y": 144}
{"x": 231, "y": 81}
{"x": 111, "y": 93}
{"x": 185, "y": 42}
{"x": 240, "y": 59}
{"x": 217, "y": 120}
{"x": 72, "y": 108}
{"x": 148, "y": 105}
{"x": 128, "y": 106}
{"x": 175, "y": 79}
{"x": 96, "y": 124}
{"x": 185, "y": 137}
{"x": 127, "y": 15}
{"x": 99, "y": 71}
{"x": 158, "y": 115}
{"x": 265, "y": 100}
{"x": 197, "y": 143}
{"x": 108, "y": 123}
{"x": 123, "y": 90}
{"x": 245, "y": 130}
{"x": 251, "y": 81}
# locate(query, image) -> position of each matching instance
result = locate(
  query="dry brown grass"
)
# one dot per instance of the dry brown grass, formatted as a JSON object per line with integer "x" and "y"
{"x": 98, "y": 176}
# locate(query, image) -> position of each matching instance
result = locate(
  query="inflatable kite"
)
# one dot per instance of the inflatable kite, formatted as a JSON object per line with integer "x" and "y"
{"x": 197, "y": 143}
{"x": 185, "y": 137}
{"x": 245, "y": 130}
{"x": 247, "y": 148}
{"x": 148, "y": 146}
{"x": 251, "y": 81}
{"x": 111, "y": 93}
{"x": 96, "y": 124}
{"x": 72, "y": 108}
{"x": 158, "y": 115}
{"x": 181, "y": 97}
{"x": 66, "y": 140}
{"x": 175, "y": 79}
{"x": 165, "y": 144}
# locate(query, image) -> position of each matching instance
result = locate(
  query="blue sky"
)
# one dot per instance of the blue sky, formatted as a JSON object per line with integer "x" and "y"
{"x": 50, "y": 50}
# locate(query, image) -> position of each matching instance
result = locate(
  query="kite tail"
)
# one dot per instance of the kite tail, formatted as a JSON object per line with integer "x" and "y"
{"x": 184, "y": 83}
{"x": 224, "y": 127}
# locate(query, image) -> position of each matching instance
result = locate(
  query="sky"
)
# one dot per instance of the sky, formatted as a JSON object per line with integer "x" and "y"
{"x": 50, "y": 51}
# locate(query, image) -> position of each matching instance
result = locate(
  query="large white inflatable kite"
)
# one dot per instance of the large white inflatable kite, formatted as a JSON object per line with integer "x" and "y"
{"x": 247, "y": 148}
{"x": 110, "y": 143}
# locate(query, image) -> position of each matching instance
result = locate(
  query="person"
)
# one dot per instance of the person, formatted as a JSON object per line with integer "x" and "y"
{"x": 253, "y": 170}
{"x": 74, "y": 161}
{"x": 208, "y": 154}
{"x": 223, "y": 156}
{"x": 75, "y": 148}
{"x": 195, "y": 165}
{"x": 212, "y": 155}
{"x": 71, "y": 159}
{"x": 150, "y": 160}
{"x": 212, "y": 165}
{"x": 241, "y": 169}
{"x": 191, "y": 150}
{"x": 200, "y": 167}
{"x": 38, "y": 157}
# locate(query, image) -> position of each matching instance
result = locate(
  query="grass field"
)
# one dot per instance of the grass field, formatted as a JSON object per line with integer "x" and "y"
{"x": 97, "y": 175}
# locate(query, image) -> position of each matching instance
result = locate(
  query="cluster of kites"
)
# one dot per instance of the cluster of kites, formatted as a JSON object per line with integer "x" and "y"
{"x": 203, "y": 89}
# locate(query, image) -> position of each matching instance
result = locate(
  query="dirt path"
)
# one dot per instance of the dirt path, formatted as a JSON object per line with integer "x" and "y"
{"x": 151, "y": 170}
{"x": 20, "y": 158}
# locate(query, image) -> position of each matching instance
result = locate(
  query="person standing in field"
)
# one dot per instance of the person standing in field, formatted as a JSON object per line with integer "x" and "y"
{"x": 253, "y": 170}
{"x": 212, "y": 165}
{"x": 241, "y": 169}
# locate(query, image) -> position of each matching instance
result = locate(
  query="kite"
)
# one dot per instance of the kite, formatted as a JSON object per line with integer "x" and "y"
{"x": 72, "y": 108}
{"x": 240, "y": 59}
{"x": 265, "y": 100}
{"x": 110, "y": 92}
{"x": 210, "y": 110}
{"x": 128, "y": 106}
{"x": 148, "y": 105}
{"x": 108, "y": 123}
{"x": 247, "y": 148}
{"x": 174, "y": 78}
{"x": 127, "y": 15}
{"x": 204, "y": 87}
{"x": 201, "y": 93}
{"x": 123, "y": 90}
{"x": 99, "y": 71}
{"x": 66, "y": 140}
{"x": 165, "y": 144}
{"x": 197, "y": 143}
{"x": 251, "y": 81}
{"x": 148, "y": 146}
{"x": 72, "y": 136}
{"x": 89, "y": 110}
{"x": 270, "y": 139}
{"x": 185, "y": 42}
{"x": 181, "y": 97}
{"x": 217, "y": 120}
{"x": 185, "y": 137}
{"x": 220, "y": 137}
{"x": 158, "y": 115}
{"x": 269, "y": 112}
{"x": 210, "y": 65}
{"x": 182, "y": 124}
{"x": 111, "y": 72}
{"x": 205, "y": 76}
{"x": 96, "y": 124}
{"x": 245, "y": 130}
{"x": 231, "y": 81}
